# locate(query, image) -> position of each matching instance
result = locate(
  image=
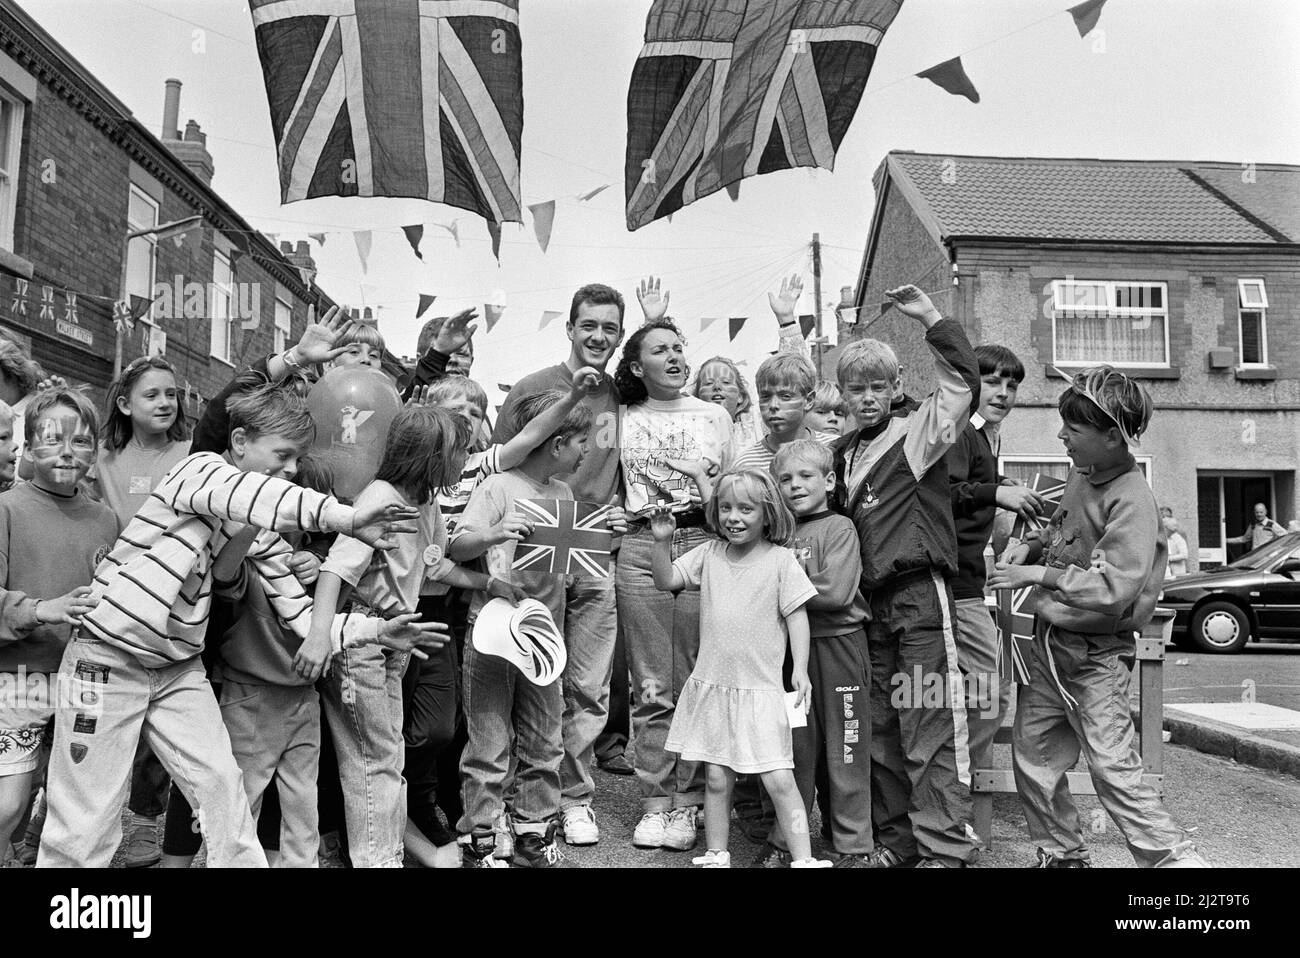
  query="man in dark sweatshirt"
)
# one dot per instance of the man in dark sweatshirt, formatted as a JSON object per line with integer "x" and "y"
{"x": 891, "y": 481}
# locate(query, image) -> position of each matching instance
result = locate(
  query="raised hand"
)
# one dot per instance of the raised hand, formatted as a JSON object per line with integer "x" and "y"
{"x": 419, "y": 397}
{"x": 662, "y": 523}
{"x": 456, "y": 332}
{"x": 586, "y": 381}
{"x": 786, "y": 301}
{"x": 653, "y": 305}
{"x": 912, "y": 302}
{"x": 377, "y": 525}
{"x": 319, "y": 341}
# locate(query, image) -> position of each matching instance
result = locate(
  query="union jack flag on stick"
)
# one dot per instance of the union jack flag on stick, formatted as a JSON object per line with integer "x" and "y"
{"x": 1050, "y": 488}
{"x": 418, "y": 98}
{"x": 569, "y": 538}
{"x": 726, "y": 89}
{"x": 1016, "y": 630}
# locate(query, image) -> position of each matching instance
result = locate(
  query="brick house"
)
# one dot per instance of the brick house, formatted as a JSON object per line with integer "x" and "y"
{"x": 1187, "y": 275}
{"x": 78, "y": 173}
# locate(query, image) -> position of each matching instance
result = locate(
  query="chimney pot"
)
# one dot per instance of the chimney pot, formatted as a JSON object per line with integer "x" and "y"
{"x": 194, "y": 134}
{"x": 171, "y": 109}
{"x": 304, "y": 249}
{"x": 286, "y": 247}
{"x": 367, "y": 315}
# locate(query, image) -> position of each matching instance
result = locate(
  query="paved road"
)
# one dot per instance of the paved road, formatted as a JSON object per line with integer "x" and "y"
{"x": 1197, "y": 677}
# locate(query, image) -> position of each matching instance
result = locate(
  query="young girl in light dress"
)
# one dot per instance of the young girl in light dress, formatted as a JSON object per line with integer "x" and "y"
{"x": 732, "y": 713}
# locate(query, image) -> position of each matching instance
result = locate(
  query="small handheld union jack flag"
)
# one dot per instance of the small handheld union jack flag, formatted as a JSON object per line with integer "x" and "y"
{"x": 1016, "y": 629}
{"x": 1050, "y": 488}
{"x": 569, "y": 538}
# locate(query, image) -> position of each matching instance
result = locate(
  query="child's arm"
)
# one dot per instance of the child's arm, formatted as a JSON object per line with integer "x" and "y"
{"x": 1121, "y": 562}
{"x": 841, "y": 568}
{"x": 312, "y": 657}
{"x": 934, "y": 427}
{"x": 796, "y": 624}
{"x": 783, "y": 306}
{"x": 316, "y": 346}
{"x": 451, "y": 338}
{"x": 536, "y": 432}
{"x": 463, "y": 578}
{"x": 667, "y": 578}
{"x": 486, "y": 522}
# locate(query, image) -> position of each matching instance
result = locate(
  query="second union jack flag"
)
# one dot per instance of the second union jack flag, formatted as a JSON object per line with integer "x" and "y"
{"x": 1050, "y": 488}
{"x": 569, "y": 538}
{"x": 418, "y": 98}
{"x": 1016, "y": 628}
{"x": 726, "y": 89}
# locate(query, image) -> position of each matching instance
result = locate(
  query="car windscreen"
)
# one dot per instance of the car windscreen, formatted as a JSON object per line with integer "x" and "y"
{"x": 1267, "y": 554}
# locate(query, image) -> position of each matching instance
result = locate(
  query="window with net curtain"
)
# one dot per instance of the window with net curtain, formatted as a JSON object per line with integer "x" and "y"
{"x": 1120, "y": 323}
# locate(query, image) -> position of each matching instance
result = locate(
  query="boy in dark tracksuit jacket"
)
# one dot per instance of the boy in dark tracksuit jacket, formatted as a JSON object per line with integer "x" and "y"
{"x": 1103, "y": 563}
{"x": 892, "y": 483}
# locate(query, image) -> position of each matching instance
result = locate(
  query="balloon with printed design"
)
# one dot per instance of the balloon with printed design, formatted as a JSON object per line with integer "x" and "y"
{"x": 352, "y": 408}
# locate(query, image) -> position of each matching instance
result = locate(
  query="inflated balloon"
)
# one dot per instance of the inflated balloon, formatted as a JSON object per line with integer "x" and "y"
{"x": 352, "y": 407}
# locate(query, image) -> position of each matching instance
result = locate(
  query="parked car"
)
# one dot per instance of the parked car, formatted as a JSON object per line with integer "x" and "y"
{"x": 1251, "y": 599}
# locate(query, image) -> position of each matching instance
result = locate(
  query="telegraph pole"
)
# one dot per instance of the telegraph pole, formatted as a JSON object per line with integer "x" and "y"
{"x": 817, "y": 300}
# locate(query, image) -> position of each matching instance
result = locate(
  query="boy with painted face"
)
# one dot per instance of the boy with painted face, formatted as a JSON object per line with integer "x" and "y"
{"x": 52, "y": 535}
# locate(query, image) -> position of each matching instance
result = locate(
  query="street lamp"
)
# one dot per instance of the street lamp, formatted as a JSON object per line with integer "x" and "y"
{"x": 160, "y": 232}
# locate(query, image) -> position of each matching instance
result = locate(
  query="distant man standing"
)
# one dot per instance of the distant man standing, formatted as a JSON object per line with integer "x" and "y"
{"x": 595, "y": 328}
{"x": 1261, "y": 530}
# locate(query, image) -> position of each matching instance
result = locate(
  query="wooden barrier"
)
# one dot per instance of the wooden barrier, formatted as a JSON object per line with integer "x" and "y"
{"x": 987, "y": 782}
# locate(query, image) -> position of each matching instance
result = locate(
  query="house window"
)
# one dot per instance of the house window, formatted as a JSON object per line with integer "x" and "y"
{"x": 1024, "y": 468}
{"x": 1120, "y": 323}
{"x": 1252, "y": 325}
{"x": 283, "y": 319}
{"x": 222, "y": 322}
{"x": 11, "y": 136}
{"x": 141, "y": 251}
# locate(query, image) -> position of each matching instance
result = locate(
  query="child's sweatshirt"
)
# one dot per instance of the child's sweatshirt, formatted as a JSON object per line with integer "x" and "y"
{"x": 1105, "y": 552}
{"x": 827, "y": 545}
{"x": 154, "y": 589}
{"x": 49, "y": 545}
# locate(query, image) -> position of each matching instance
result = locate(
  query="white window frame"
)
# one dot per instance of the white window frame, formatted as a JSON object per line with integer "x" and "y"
{"x": 151, "y": 241}
{"x": 222, "y": 338}
{"x": 1245, "y": 287}
{"x": 1146, "y": 462}
{"x": 1218, "y": 553}
{"x": 283, "y": 330}
{"x": 10, "y": 169}
{"x": 1106, "y": 290}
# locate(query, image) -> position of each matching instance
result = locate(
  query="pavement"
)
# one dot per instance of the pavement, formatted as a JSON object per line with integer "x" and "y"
{"x": 1245, "y": 707}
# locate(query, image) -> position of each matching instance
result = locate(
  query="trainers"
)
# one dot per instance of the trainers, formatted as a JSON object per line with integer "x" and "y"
{"x": 579, "y": 825}
{"x": 1048, "y": 860}
{"x": 680, "y": 832}
{"x": 477, "y": 851}
{"x": 881, "y": 858}
{"x": 505, "y": 838}
{"x": 713, "y": 859}
{"x": 142, "y": 848}
{"x": 618, "y": 765}
{"x": 772, "y": 857}
{"x": 537, "y": 850}
{"x": 650, "y": 831}
{"x": 811, "y": 863}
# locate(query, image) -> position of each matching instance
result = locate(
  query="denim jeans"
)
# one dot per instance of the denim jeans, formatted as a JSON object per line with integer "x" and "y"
{"x": 590, "y": 622}
{"x": 613, "y": 740}
{"x": 363, "y": 704}
{"x": 90, "y": 767}
{"x": 1094, "y": 670}
{"x": 499, "y": 699}
{"x": 662, "y": 632}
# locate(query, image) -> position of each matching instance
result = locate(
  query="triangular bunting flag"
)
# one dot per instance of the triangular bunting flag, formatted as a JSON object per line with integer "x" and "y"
{"x": 504, "y": 388}
{"x": 494, "y": 231}
{"x": 492, "y": 315}
{"x": 543, "y": 220}
{"x": 426, "y": 300}
{"x": 733, "y": 190}
{"x": 734, "y": 326}
{"x": 235, "y": 256}
{"x": 413, "y": 236}
{"x": 274, "y": 238}
{"x": 362, "y": 238}
{"x": 318, "y": 237}
{"x": 139, "y": 306}
{"x": 1086, "y": 15}
{"x": 807, "y": 324}
{"x": 706, "y": 322}
{"x": 583, "y": 197}
{"x": 307, "y": 274}
{"x": 547, "y": 316}
{"x": 951, "y": 77}
{"x": 453, "y": 228}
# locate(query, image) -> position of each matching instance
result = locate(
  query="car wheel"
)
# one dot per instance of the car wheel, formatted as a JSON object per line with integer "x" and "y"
{"x": 1219, "y": 627}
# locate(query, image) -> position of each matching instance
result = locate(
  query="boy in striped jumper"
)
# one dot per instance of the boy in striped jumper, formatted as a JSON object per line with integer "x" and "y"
{"x": 135, "y": 656}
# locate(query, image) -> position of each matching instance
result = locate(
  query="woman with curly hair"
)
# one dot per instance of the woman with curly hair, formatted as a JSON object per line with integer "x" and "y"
{"x": 670, "y": 446}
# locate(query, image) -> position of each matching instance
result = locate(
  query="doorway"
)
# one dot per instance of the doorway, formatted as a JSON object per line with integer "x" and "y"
{"x": 1225, "y": 503}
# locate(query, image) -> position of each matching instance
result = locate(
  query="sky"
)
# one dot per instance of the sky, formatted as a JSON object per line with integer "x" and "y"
{"x": 1159, "y": 79}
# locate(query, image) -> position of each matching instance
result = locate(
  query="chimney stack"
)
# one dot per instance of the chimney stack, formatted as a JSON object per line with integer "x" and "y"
{"x": 193, "y": 149}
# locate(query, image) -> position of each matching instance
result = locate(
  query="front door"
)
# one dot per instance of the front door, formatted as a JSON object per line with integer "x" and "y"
{"x": 1225, "y": 503}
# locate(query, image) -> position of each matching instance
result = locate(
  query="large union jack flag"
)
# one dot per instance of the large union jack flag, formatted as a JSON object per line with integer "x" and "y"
{"x": 726, "y": 89}
{"x": 417, "y": 98}
{"x": 1016, "y": 630}
{"x": 569, "y": 538}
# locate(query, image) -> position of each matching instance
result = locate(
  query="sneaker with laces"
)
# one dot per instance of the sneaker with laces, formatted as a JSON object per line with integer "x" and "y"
{"x": 537, "y": 849}
{"x": 476, "y": 851}
{"x": 881, "y": 858}
{"x": 772, "y": 857}
{"x": 505, "y": 838}
{"x": 142, "y": 847}
{"x": 1048, "y": 860}
{"x": 578, "y": 823}
{"x": 650, "y": 831}
{"x": 680, "y": 834}
{"x": 811, "y": 863}
{"x": 713, "y": 858}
